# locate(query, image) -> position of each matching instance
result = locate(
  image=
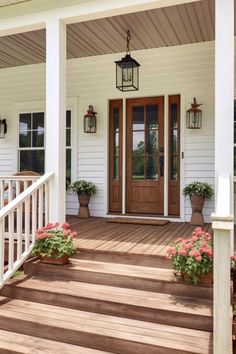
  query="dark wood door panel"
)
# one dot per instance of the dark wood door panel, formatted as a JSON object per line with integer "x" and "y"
{"x": 145, "y": 155}
{"x": 115, "y": 155}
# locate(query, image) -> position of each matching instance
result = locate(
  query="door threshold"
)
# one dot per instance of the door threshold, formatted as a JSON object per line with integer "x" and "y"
{"x": 145, "y": 216}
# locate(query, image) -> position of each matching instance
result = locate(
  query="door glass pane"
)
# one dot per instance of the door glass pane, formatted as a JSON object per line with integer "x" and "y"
{"x": 68, "y": 167}
{"x": 32, "y": 160}
{"x": 174, "y": 141}
{"x": 174, "y": 168}
{"x": 116, "y": 168}
{"x": 116, "y": 144}
{"x": 116, "y": 118}
{"x": 151, "y": 141}
{"x": 151, "y": 167}
{"x": 138, "y": 118}
{"x": 25, "y": 139}
{"x": 152, "y": 116}
{"x": 138, "y": 142}
{"x": 25, "y": 121}
{"x": 138, "y": 167}
{"x": 68, "y": 119}
{"x": 174, "y": 117}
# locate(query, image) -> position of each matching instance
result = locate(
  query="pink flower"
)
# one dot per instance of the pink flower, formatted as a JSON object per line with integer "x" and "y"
{"x": 233, "y": 258}
{"x": 194, "y": 238}
{"x": 66, "y": 233}
{"x": 189, "y": 246}
{"x": 65, "y": 226}
{"x": 182, "y": 252}
{"x": 74, "y": 234}
{"x": 55, "y": 225}
{"x": 39, "y": 231}
{"x": 198, "y": 258}
{"x": 41, "y": 236}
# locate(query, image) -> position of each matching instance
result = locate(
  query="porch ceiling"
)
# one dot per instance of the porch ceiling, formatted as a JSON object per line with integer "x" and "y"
{"x": 175, "y": 25}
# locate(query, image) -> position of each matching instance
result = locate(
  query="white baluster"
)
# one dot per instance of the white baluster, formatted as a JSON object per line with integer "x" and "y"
{"x": 40, "y": 208}
{"x": 27, "y": 224}
{"x": 19, "y": 232}
{"x": 34, "y": 215}
{"x": 11, "y": 240}
{"x": 25, "y": 185}
{"x": 46, "y": 197}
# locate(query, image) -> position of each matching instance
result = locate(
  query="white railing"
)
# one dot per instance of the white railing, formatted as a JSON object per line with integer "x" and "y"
{"x": 12, "y": 186}
{"x": 19, "y": 220}
{"x": 223, "y": 225}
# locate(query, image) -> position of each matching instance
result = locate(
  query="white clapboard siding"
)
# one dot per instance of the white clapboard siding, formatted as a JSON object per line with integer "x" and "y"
{"x": 186, "y": 69}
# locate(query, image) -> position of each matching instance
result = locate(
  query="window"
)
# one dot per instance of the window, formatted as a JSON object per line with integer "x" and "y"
{"x": 32, "y": 143}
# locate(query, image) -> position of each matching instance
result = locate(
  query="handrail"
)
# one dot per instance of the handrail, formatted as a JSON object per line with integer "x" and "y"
{"x": 19, "y": 220}
{"x": 25, "y": 194}
{"x": 19, "y": 178}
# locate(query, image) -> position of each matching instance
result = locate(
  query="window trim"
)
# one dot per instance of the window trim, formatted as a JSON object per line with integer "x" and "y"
{"x": 40, "y": 106}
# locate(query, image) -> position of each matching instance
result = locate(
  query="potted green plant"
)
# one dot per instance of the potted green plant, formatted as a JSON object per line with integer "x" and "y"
{"x": 84, "y": 189}
{"x": 192, "y": 259}
{"x": 198, "y": 192}
{"x": 54, "y": 243}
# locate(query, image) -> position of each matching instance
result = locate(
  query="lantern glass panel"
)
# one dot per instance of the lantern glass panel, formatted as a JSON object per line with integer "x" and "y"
{"x": 127, "y": 74}
{"x": 194, "y": 120}
{"x": 90, "y": 124}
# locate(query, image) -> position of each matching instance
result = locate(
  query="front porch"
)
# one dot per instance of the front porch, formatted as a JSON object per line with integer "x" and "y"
{"x": 141, "y": 242}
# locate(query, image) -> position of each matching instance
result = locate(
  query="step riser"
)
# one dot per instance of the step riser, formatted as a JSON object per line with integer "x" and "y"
{"x": 132, "y": 259}
{"x": 166, "y": 287}
{"x": 198, "y": 322}
{"x": 91, "y": 340}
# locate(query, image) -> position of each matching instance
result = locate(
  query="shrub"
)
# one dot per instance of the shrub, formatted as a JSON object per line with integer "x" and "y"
{"x": 200, "y": 189}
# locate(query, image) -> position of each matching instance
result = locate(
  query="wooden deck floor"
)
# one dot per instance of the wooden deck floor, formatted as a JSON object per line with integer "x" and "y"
{"x": 96, "y": 234}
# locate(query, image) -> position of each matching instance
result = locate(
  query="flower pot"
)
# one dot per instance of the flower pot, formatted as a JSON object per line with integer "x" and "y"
{"x": 57, "y": 261}
{"x": 197, "y": 203}
{"x": 83, "y": 206}
{"x": 234, "y": 329}
{"x": 206, "y": 279}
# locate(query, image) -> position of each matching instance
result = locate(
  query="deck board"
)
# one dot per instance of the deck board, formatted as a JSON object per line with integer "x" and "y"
{"x": 97, "y": 234}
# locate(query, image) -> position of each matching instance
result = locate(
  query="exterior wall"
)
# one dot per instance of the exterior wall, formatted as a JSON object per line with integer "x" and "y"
{"x": 188, "y": 70}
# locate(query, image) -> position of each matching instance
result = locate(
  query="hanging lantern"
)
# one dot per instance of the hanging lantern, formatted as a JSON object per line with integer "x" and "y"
{"x": 194, "y": 116}
{"x": 90, "y": 121}
{"x": 127, "y": 71}
{"x": 3, "y": 128}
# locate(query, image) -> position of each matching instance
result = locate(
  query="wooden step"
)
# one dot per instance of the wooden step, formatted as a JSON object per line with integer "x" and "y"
{"x": 13, "y": 343}
{"x": 142, "y": 305}
{"x": 102, "y": 332}
{"x": 146, "y": 260}
{"x": 121, "y": 275}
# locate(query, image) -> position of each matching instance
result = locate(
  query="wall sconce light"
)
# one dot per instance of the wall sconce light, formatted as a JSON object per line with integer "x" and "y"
{"x": 3, "y": 128}
{"x": 90, "y": 121}
{"x": 194, "y": 116}
{"x": 127, "y": 71}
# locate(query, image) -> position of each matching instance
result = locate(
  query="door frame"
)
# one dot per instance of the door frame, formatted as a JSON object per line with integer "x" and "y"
{"x": 165, "y": 94}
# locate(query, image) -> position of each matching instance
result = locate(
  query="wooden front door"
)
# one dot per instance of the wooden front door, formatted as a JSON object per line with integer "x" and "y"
{"x": 145, "y": 156}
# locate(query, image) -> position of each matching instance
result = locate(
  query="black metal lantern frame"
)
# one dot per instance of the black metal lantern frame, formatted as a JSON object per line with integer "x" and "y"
{"x": 194, "y": 116}
{"x": 127, "y": 71}
{"x": 90, "y": 121}
{"x": 3, "y": 128}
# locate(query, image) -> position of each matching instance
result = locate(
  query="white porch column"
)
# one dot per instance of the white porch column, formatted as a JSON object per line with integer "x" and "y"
{"x": 223, "y": 220}
{"x": 55, "y": 115}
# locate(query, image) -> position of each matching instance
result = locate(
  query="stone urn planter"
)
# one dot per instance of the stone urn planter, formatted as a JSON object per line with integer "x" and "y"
{"x": 197, "y": 204}
{"x": 83, "y": 206}
{"x": 198, "y": 192}
{"x": 84, "y": 189}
